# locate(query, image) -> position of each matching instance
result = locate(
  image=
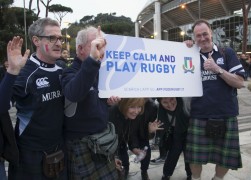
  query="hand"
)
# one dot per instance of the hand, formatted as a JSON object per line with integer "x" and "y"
{"x": 118, "y": 164}
{"x": 210, "y": 64}
{"x": 98, "y": 46}
{"x": 113, "y": 100}
{"x": 154, "y": 126}
{"x": 136, "y": 151}
{"x": 15, "y": 59}
{"x": 189, "y": 43}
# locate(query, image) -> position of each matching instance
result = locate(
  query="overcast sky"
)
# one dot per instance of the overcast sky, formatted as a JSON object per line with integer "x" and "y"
{"x": 81, "y": 8}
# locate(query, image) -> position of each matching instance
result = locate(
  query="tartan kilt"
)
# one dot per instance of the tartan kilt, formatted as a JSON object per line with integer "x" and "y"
{"x": 83, "y": 164}
{"x": 223, "y": 152}
{"x": 31, "y": 167}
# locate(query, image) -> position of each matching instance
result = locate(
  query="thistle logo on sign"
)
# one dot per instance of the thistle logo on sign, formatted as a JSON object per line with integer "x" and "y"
{"x": 188, "y": 65}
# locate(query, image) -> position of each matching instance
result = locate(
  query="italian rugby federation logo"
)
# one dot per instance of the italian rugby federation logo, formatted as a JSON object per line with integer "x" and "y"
{"x": 188, "y": 65}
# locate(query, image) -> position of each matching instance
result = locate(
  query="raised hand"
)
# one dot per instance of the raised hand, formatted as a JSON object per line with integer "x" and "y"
{"x": 98, "y": 46}
{"x": 154, "y": 126}
{"x": 210, "y": 64}
{"x": 15, "y": 59}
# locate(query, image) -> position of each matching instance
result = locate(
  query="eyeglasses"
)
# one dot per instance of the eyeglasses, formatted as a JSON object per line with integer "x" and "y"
{"x": 53, "y": 39}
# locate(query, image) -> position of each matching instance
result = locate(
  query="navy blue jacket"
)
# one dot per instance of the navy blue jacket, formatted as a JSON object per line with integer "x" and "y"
{"x": 6, "y": 92}
{"x": 85, "y": 112}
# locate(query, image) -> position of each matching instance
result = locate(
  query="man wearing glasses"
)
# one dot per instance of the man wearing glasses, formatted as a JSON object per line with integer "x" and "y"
{"x": 40, "y": 105}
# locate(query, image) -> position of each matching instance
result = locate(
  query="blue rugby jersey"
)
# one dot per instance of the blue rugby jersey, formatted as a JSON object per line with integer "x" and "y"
{"x": 39, "y": 104}
{"x": 219, "y": 100}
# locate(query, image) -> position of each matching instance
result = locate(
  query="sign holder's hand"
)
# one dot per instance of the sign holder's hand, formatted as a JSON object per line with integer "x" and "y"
{"x": 113, "y": 100}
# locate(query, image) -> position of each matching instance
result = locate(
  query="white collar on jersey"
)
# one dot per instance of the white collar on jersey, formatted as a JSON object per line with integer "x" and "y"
{"x": 44, "y": 66}
{"x": 214, "y": 47}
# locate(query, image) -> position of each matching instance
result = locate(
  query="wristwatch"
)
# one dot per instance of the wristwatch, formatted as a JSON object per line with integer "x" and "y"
{"x": 220, "y": 71}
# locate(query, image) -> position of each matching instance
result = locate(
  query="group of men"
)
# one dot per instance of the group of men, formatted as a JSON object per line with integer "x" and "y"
{"x": 56, "y": 110}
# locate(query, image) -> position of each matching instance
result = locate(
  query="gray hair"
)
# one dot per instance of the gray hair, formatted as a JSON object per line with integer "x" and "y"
{"x": 37, "y": 28}
{"x": 82, "y": 36}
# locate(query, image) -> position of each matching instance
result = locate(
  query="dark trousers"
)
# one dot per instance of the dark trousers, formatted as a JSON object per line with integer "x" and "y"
{"x": 163, "y": 149}
{"x": 123, "y": 156}
{"x": 146, "y": 161}
{"x": 176, "y": 144}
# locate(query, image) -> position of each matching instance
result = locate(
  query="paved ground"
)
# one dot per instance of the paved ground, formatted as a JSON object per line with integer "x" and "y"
{"x": 155, "y": 171}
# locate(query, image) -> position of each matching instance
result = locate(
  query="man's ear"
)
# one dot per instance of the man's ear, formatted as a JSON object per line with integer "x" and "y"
{"x": 80, "y": 50}
{"x": 35, "y": 41}
{"x": 80, "y": 47}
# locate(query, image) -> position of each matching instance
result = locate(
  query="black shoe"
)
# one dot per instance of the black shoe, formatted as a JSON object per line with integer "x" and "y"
{"x": 158, "y": 160}
{"x": 144, "y": 175}
{"x": 165, "y": 178}
{"x": 189, "y": 177}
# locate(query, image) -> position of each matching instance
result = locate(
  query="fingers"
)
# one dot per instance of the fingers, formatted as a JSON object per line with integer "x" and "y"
{"x": 209, "y": 56}
{"x": 210, "y": 64}
{"x": 161, "y": 124}
{"x": 113, "y": 100}
{"x": 25, "y": 57}
{"x": 8, "y": 46}
{"x": 98, "y": 46}
{"x": 100, "y": 38}
{"x": 98, "y": 35}
{"x": 27, "y": 53}
{"x": 15, "y": 43}
{"x": 20, "y": 43}
{"x": 101, "y": 41}
{"x": 102, "y": 53}
{"x": 159, "y": 129}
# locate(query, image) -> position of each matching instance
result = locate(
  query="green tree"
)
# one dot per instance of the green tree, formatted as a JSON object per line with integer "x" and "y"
{"x": 12, "y": 24}
{"x": 4, "y": 5}
{"x": 110, "y": 23}
{"x": 86, "y": 19}
{"x": 59, "y": 11}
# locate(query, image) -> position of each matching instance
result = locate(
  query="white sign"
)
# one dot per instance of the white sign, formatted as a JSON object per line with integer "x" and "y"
{"x": 138, "y": 67}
